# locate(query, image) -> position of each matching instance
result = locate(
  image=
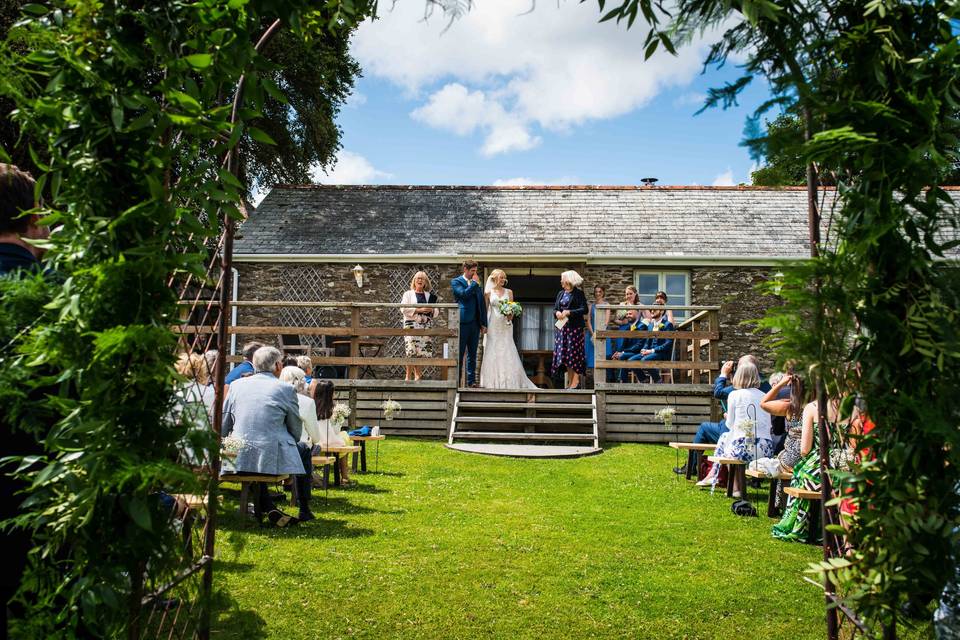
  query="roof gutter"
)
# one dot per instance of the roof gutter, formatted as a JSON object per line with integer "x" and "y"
{"x": 549, "y": 258}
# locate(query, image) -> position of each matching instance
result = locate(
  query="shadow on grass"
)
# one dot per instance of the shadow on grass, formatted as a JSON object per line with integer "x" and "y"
{"x": 234, "y": 567}
{"x": 322, "y": 527}
{"x": 231, "y": 621}
{"x": 388, "y": 474}
{"x": 342, "y": 505}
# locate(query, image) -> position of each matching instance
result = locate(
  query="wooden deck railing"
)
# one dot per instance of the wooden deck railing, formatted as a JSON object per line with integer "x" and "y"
{"x": 690, "y": 336}
{"x": 355, "y": 332}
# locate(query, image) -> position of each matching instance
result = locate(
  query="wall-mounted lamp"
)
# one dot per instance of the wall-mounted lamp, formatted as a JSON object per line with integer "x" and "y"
{"x": 358, "y": 275}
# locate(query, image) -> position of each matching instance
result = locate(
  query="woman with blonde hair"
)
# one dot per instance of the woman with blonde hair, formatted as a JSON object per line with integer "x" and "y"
{"x": 570, "y": 308}
{"x": 502, "y": 367}
{"x": 750, "y": 434}
{"x": 415, "y": 317}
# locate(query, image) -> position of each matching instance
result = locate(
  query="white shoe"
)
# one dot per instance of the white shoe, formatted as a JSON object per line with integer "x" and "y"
{"x": 706, "y": 482}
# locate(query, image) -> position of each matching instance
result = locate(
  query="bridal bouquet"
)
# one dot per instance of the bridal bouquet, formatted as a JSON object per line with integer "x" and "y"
{"x": 508, "y": 308}
{"x": 340, "y": 414}
{"x": 391, "y": 408}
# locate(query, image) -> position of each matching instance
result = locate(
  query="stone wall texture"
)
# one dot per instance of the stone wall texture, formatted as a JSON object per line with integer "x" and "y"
{"x": 732, "y": 288}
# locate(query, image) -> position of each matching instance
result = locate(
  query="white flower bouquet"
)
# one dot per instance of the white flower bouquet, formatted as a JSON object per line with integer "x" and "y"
{"x": 391, "y": 409}
{"x": 666, "y": 416}
{"x": 510, "y": 309}
{"x": 340, "y": 414}
{"x": 748, "y": 427}
{"x": 231, "y": 446}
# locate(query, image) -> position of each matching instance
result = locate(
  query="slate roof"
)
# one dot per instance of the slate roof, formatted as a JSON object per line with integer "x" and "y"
{"x": 595, "y": 221}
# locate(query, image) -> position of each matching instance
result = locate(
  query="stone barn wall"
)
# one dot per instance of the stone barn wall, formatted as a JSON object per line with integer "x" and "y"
{"x": 732, "y": 288}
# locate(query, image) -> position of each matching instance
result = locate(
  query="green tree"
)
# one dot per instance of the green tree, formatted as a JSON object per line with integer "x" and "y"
{"x": 315, "y": 75}
{"x": 873, "y": 313}
{"x": 124, "y": 106}
{"x": 784, "y": 163}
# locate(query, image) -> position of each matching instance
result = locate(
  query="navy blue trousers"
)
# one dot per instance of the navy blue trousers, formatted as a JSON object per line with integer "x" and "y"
{"x": 469, "y": 341}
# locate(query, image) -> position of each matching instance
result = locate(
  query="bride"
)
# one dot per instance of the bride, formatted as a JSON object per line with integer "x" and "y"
{"x": 502, "y": 367}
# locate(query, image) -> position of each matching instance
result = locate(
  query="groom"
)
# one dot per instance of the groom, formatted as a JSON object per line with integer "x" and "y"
{"x": 473, "y": 316}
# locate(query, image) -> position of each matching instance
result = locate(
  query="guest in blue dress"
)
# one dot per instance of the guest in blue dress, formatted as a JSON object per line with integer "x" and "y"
{"x": 599, "y": 294}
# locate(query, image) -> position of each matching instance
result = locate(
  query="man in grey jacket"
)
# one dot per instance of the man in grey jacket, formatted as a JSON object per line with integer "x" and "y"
{"x": 263, "y": 413}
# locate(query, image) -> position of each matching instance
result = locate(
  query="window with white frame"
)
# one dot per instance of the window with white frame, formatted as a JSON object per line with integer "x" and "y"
{"x": 676, "y": 284}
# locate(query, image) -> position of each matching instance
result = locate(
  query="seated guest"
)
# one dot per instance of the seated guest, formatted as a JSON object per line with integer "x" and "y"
{"x": 710, "y": 432}
{"x": 621, "y": 320}
{"x": 630, "y": 347}
{"x": 791, "y": 409}
{"x": 656, "y": 348}
{"x": 193, "y": 408}
{"x": 294, "y": 376}
{"x": 264, "y": 414}
{"x": 743, "y": 403}
{"x": 794, "y": 524}
{"x": 196, "y": 389}
{"x": 210, "y": 358}
{"x": 327, "y": 434}
{"x": 245, "y": 368}
{"x": 289, "y": 360}
{"x": 305, "y": 363}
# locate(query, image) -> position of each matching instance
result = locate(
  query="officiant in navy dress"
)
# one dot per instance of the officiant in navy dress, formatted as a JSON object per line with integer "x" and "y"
{"x": 473, "y": 316}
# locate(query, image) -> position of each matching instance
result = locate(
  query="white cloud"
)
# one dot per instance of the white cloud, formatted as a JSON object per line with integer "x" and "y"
{"x": 350, "y": 168}
{"x": 690, "y": 99}
{"x": 456, "y": 109}
{"x": 724, "y": 179}
{"x": 356, "y": 99}
{"x": 533, "y": 182}
{"x": 517, "y": 75}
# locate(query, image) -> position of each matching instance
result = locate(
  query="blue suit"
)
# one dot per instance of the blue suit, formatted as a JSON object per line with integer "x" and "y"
{"x": 473, "y": 316}
{"x": 662, "y": 350}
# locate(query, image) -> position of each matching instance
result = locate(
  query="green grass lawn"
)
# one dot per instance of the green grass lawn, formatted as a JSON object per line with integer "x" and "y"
{"x": 443, "y": 544}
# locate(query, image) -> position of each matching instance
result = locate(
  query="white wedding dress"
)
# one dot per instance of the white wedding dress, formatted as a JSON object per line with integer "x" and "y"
{"x": 502, "y": 367}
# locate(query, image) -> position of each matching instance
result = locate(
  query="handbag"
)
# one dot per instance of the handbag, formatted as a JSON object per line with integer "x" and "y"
{"x": 743, "y": 509}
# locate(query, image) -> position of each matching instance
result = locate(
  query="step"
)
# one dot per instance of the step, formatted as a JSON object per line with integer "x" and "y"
{"x": 522, "y": 420}
{"x": 507, "y": 435}
{"x": 525, "y": 450}
{"x": 578, "y": 406}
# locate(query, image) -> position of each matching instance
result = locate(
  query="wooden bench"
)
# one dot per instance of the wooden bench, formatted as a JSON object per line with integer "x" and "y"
{"x": 245, "y": 480}
{"x": 772, "y": 511}
{"x": 813, "y": 525}
{"x": 696, "y": 450}
{"x": 316, "y": 461}
{"x": 736, "y": 468}
{"x": 337, "y": 452}
{"x": 362, "y": 455}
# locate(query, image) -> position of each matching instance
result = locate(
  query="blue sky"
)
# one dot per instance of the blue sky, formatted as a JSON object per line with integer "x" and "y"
{"x": 550, "y": 98}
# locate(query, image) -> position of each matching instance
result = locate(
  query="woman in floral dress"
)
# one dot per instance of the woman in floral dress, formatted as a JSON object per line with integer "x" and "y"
{"x": 570, "y": 308}
{"x": 418, "y": 318}
{"x": 743, "y": 404}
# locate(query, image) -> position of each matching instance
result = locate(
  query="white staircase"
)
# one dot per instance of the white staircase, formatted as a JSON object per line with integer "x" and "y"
{"x": 539, "y": 423}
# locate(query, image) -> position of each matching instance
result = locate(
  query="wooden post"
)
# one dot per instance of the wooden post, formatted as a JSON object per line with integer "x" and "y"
{"x": 453, "y": 323}
{"x": 353, "y": 371}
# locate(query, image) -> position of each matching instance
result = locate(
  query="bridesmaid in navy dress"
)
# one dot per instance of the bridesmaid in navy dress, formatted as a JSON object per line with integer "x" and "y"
{"x": 571, "y": 307}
